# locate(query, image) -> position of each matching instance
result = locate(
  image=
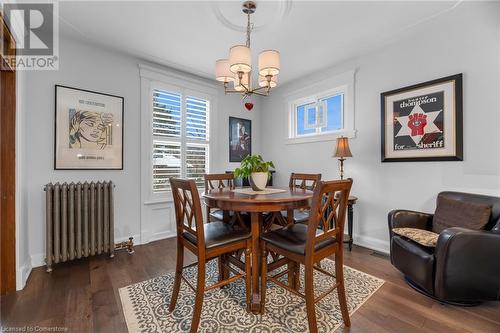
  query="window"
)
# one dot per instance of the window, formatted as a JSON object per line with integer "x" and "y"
{"x": 322, "y": 115}
{"x": 180, "y": 137}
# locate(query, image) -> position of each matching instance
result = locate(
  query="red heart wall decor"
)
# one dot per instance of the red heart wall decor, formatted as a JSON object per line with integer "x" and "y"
{"x": 249, "y": 106}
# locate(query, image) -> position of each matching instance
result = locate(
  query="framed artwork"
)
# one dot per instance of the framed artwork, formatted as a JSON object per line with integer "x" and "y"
{"x": 240, "y": 139}
{"x": 88, "y": 130}
{"x": 423, "y": 122}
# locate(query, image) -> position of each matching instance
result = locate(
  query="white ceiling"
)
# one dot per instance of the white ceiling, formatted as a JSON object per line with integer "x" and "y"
{"x": 191, "y": 35}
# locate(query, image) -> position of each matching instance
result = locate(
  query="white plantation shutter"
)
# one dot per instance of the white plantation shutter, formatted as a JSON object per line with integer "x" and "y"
{"x": 196, "y": 162}
{"x": 166, "y": 114}
{"x": 166, "y": 163}
{"x": 180, "y": 138}
{"x": 196, "y": 118}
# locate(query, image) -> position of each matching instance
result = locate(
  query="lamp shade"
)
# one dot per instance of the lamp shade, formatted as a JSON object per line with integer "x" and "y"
{"x": 240, "y": 59}
{"x": 342, "y": 149}
{"x": 263, "y": 81}
{"x": 245, "y": 80}
{"x": 222, "y": 72}
{"x": 269, "y": 62}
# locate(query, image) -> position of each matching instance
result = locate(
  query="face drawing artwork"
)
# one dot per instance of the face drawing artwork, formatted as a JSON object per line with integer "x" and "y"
{"x": 89, "y": 129}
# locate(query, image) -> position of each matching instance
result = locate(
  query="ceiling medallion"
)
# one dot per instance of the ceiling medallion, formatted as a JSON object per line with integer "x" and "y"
{"x": 238, "y": 67}
{"x": 279, "y": 11}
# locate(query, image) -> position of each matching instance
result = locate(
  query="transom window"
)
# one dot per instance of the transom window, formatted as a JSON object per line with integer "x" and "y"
{"x": 322, "y": 116}
{"x": 318, "y": 114}
{"x": 180, "y": 137}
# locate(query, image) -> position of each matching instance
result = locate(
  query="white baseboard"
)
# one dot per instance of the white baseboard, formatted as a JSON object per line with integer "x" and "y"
{"x": 22, "y": 276}
{"x": 37, "y": 260}
{"x": 372, "y": 243}
{"x": 147, "y": 237}
{"x": 162, "y": 235}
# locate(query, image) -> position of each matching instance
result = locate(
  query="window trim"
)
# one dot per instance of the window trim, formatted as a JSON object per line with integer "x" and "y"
{"x": 343, "y": 84}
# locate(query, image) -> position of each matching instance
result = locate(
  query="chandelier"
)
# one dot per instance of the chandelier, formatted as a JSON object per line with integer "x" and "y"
{"x": 238, "y": 68}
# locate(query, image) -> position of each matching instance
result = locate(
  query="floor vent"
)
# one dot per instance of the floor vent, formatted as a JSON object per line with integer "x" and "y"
{"x": 379, "y": 254}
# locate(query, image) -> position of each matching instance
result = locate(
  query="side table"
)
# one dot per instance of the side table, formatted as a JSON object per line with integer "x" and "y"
{"x": 350, "y": 215}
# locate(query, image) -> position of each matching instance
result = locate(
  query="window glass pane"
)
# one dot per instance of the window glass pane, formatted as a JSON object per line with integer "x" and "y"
{"x": 166, "y": 113}
{"x": 334, "y": 106}
{"x": 166, "y": 164}
{"x": 305, "y": 115}
{"x": 196, "y": 162}
{"x": 311, "y": 119}
{"x": 196, "y": 118}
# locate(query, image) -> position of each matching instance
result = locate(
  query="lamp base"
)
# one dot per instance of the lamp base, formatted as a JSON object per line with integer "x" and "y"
{"x": 341, "y": 168}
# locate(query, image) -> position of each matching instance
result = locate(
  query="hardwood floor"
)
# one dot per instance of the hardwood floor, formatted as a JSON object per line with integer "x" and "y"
{"x": 83, "y": 296}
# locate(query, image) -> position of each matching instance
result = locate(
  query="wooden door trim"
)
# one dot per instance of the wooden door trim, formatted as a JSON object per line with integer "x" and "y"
{"x": 7, "y": 169}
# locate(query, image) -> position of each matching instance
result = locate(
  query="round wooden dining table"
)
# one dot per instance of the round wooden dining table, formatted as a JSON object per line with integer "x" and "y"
{"x": 255, "y": 205}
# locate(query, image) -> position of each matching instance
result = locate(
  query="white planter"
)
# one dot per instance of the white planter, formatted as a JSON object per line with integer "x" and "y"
{"x": 258, "y": 180}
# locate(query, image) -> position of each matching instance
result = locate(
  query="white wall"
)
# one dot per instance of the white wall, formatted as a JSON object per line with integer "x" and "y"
{"x": 466, "y": 40}
{"x": 23, "y": 259}
{"x": 90, "y": 67}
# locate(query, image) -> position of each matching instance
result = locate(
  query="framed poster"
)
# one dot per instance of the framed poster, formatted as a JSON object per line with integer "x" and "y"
{"x": 88, "y": 130}
{"x": 240, "y": 139}
{"x": 423, "y": 122}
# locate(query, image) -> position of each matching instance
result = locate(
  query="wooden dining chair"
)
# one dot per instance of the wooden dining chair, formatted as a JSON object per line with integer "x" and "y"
{"x": 307, "y": 244}
{"x": 217, "y": 181}
{"x": 220, "y": 181}
{"x": 206, "y": 241}
{"x": 305, "y": 181}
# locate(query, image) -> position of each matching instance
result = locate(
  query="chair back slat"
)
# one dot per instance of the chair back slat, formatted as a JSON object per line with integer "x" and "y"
{"x": 188, "y": 214}
{"x": 328, "y": 210}
{"x": 305, "y": 181}
{"x": 219, "y": 181}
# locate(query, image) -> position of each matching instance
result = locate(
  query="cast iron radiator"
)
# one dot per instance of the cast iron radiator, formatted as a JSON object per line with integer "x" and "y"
{"x": 79, "y": 221}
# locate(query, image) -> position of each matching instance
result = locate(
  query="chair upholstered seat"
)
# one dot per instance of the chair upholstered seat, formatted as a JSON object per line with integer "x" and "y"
{"x": 293, "y": 238}
{"x": 299, "y": 215}
{"x": 218, "y": 234}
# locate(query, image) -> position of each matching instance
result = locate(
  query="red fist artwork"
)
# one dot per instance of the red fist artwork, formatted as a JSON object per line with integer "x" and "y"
{"x": 417, "y": 123}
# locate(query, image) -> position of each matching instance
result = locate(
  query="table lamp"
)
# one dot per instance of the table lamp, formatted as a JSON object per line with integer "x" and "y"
{"x": 342, "y": 151}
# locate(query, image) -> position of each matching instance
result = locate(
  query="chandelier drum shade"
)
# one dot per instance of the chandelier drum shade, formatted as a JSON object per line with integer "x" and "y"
{"x": 223, "y": 74}
{"x": 269, "y": 63}
{"x": 240, "y": 59}
{"x": 238, "y": 67}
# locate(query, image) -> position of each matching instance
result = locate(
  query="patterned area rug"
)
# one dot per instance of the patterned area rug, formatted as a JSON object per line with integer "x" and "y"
{"x": 145, "y": 304}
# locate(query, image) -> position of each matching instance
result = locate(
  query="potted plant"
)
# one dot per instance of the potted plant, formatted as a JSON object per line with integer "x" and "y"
{"x": 256, "y": 170}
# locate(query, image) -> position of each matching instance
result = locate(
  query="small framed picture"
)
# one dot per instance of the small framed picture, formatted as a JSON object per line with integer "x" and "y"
{"x": 423, "y": 122}
{"x": 88, "y": 130}
{"x": 240, "y": 139}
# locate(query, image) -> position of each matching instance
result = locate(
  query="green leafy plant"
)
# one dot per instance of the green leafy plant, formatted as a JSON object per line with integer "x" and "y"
{"x": 253, "y": 163}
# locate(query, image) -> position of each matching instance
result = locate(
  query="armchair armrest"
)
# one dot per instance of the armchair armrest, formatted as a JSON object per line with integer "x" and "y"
{"x": 467, "y": 265}
{"x": 401, "y": 218}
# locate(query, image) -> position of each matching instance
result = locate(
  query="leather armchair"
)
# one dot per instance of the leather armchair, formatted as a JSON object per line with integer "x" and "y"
{"x": 464, "y": 268}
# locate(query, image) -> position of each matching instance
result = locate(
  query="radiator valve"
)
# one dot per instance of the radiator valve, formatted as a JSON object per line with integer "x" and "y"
{"x": 128, "y": 245}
